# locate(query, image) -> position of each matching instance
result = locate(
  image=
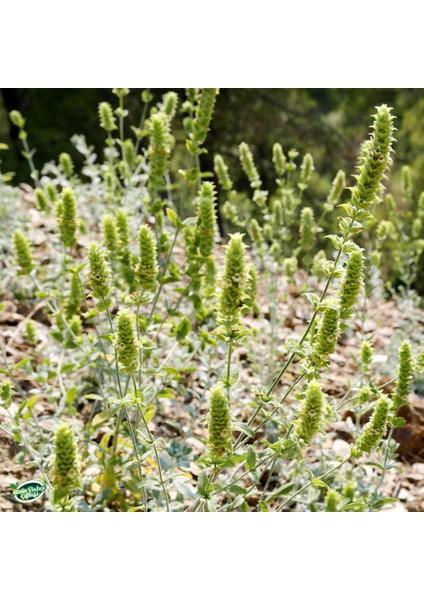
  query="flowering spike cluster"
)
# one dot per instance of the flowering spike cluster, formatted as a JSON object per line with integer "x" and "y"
{"x": 375, "y": 429}
{"x": 203, "y": 114}
{"x": 110, "y": 234}
{"x": 222, "y": 174}
{"x": 67, "y": 216}
{"x": 66, "y": 163}
{"x": 107, "y": 119}
{"x": 407, "y": 183}
{"x": 99, "y": 275}
{"x": 75, "y": 296}
{"x": 256, "y": 233}
{"x": 147, "y": 268}
{"x": 6, "y": 390}
{"x": 310, "y": 415}
{"x": 376, "y": 159}
{"x": 248, "y": 165}
{"x": 277, "y": 213}
{"x": 23, "y": 253}
{"x": 251, "y": 291}
{"x": 125, "y": 342}
{"x": 52, "y": 193}
{"x": 66, "y": 469}
{"x": 123, "y": 228}
{"x": 307, "y": 229}
{"x": 336, "y": 190}
{"x": 206, "y": 219}
{"x": 405, "y": 376}
{"x": 159, "y": 148}
{"x": 352, "y": 283}
{"x": 234, "y": 279}
{"x": 327, "y": 334}
{"x": 219, "y": 421}
{"x": 364, "y": 396}
{"x": 279, "y": 159}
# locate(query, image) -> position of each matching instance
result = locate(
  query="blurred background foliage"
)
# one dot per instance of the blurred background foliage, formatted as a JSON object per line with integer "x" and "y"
{"x": 328, "y": 123}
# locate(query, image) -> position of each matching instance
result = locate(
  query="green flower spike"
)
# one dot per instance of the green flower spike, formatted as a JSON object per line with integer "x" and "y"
{"x": 375, "y": 429}
{"x": 110, "y": 234}
{"x": 23, "y": 253}
{"x": 66, "y": 163}
{"x": 67, "y": 217}
{"x": 306, "y": 170}
{"x": 170, "y": 104}
{"x": 206, "y": 219}
{"x": 352, "y": 283}
{"x": 311, "y": 411}
{"x": 366, "y": 355}
{"x": 327, "y": 334}
{"x": 99, "y": 276}
{"x": 203, "y": 114}
{"x": 221, "y": 171}
{"x": 220, "y": 438}
{"x": 375, "y": 159}
{"x": 66, "y": 469}
{"x": 248, "y": 166}
{"x": 337, "y": 187}
{"x": 279, "y": 159}
{"x": 107, "y": 119}
{"x": 17, "y": 119}
{"x": 332, "y": 499}
{"x": 234, "y": 280}
{"x": 126, "y": 343}
{"x": 159, "y": 148}
{"x": 307, "y": 229}
{"x": 147, "y": 268}
{"x": 405, "y": 377}
{"x": 41, "y": 200}
{"x": 75, "y": 296}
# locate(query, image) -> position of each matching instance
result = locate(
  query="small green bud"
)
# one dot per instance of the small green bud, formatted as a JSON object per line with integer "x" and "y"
{"x": 6, "y": 390}
{"x": 364, "y": 396}
{"x": 260, "y": 197}
{"x": 125, "y": 342}
{"x": 107, "y": 119}
{"x": 67, "y": 217}
{"x": 52, "y": 193}
{"x": 366, "y": 355}
{"x": 332, "y": 499}
{"x": 170, "y": 104}
{"x": 66, "y": 163}
{"x": 31, "y": 331}
{"x": 385, "y": 229}
{"x": 220, "y": 438}
{"x": 75, "y": 325}
{"x": 248, "y": 166}
{"x": 17, "y": 119}
{"x": 110, "y": 234}
{"x": 66, "y": 468}
{"x": 23, "y": 253}
{"x": 147, "y": 268}
{"x": 256, "y": 233}
{"x": 351, "y": 284}
{"x": 290, "y": 266}
{"x": 374, "y": 430}
{"x": 311, "y": 411}
{"x": 318, "y": 263}
{"x": 128, "y": 151}
{"x": 222, "y": 174}
{"x": 123, "y": 227}
{"x": 417, "y": 227}
{"x": 41, "y": 200}
{"x": 407, "y": 183}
